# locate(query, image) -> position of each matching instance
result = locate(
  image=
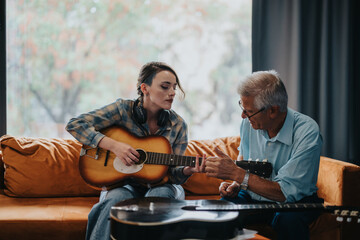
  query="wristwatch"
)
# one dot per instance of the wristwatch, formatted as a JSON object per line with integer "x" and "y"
{"x": 244, "y": 185}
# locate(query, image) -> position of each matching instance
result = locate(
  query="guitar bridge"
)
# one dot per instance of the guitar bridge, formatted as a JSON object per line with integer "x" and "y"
{"x": 83, "y": 152}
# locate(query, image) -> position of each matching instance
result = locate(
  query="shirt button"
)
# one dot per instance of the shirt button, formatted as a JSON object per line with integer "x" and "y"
{"x": 269, "y": 144}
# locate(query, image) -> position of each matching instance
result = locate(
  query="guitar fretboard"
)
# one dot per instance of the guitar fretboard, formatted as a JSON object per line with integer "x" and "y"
{"x": 171, "y": 159}
{"x": 340, "y": 211}
{"x": 262, "y": 169}
{"x": 270, "y": 206}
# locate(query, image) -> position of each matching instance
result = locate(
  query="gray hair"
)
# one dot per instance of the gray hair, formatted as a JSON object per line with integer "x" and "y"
{"x": 267, "y": 88}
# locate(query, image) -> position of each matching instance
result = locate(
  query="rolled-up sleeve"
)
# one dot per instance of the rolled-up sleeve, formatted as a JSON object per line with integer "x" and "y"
{"x": 85, "y": 128}
{"x": 179, "y": 147}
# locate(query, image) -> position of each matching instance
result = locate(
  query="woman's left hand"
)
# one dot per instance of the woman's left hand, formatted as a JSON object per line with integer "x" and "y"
{"x": 199, "y": 167}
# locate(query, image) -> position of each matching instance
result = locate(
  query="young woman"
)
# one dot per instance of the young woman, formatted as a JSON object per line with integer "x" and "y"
{"x": 149, "y": 114}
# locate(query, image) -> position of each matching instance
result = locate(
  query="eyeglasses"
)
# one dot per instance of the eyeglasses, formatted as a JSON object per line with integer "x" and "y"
{"x": 245, "y": 112}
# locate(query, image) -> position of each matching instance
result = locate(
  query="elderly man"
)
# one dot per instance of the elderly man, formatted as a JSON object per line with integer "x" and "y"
{"x": 289, "y": 140}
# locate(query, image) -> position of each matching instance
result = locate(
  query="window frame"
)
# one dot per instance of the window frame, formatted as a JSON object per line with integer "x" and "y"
{"x": 3, "y": 96}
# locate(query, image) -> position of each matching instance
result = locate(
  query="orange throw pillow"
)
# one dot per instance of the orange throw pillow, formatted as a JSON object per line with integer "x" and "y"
{"x": 199, "y": 183}
{"x": 42, "y": 167}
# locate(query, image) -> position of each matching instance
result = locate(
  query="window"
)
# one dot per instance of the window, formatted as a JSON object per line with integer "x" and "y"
{"x": 69, "y": 57}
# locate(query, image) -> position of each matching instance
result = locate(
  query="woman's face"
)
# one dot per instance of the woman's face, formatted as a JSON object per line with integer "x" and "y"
{"x": 161, "y": 93}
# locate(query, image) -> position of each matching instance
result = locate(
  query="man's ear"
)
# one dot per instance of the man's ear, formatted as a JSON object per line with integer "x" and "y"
{"x": 144, "y": 88}
{"x": 274, "y": 111}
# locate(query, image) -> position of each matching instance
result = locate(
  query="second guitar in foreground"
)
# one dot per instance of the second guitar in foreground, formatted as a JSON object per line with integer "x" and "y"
{"x": 165, "y": 218}
{"x": 99, "y": 167}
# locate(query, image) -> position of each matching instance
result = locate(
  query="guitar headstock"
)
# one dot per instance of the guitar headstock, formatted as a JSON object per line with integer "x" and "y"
{"x": 345, "y": 214}
{"x": 261, "y": 168}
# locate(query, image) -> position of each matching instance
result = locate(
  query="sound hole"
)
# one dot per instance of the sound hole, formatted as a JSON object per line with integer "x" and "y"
{"x": 143, "y": 156}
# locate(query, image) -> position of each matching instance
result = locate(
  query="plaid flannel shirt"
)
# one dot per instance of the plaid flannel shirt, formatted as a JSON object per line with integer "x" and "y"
{"x": 85, "y": 128}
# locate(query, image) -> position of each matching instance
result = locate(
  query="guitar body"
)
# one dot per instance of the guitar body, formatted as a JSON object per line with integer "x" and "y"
{"x": 164, "y": 218}
{"x": 101, "y": 168}
{"x": 101, "y": 171}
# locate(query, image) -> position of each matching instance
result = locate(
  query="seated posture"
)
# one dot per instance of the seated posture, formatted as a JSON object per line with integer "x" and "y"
{"x": 149, "y": 114}
{"x": 289, "y": 140}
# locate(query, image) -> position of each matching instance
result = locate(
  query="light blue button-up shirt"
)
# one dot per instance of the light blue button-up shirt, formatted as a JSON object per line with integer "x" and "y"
{"x": 294, "y": 154}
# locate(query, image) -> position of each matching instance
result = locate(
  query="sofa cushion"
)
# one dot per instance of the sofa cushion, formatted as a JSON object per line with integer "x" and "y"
{"x": 199, "y": 183}
{"x": 42, "y": 167}
{"x": 62, "y": 218}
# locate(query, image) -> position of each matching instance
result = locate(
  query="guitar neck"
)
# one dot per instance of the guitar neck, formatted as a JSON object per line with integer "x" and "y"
{"x": 340, "y": 211}
{"x": 178, "y": 160}
{"x": 263, "y": 169}
{"x": 171, "y": 159}
{"x": 262, "y": 207}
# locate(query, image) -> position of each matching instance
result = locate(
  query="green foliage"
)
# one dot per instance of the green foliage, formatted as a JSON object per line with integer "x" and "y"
{"x": 68, "y": 57}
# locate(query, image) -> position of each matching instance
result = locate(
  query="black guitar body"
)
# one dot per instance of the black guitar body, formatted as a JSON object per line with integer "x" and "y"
{"x": 162, "y": 218}
{"x": 181, "y": 230}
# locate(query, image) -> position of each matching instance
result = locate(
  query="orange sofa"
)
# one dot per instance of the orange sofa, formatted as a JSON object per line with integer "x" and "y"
{"x": 43, "y": 196}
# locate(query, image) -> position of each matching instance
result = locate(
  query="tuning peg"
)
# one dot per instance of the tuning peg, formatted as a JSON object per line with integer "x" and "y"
{"x": 358, "y": 220}
{"x": 354, "y": 213}
{"x": 265, "y": 160}
{"x": 348, "y": 219}
{"x": 257, "y": 160}
{"x": 339, "y": 219}
{"x": 345, "y": 212}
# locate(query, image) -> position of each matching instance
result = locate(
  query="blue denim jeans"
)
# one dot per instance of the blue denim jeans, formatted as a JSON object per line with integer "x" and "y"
{"x": 287, "y": 225}
{"x": 98, "y": 227}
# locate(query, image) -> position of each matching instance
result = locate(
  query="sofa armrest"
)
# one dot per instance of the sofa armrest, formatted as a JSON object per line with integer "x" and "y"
{"x": 1, "y": 171}
{"x": 338, "y": 182}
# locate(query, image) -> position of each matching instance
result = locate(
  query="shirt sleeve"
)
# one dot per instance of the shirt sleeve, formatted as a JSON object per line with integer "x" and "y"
{"x": 298, "y": 177}
{"x": 85, "y": 128}
{"x": 176, "y": 175}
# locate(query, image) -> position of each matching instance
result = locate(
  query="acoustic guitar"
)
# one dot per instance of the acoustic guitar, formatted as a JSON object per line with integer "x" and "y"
{"x": 100, "y": 167}
{"x": 165, "y": 218}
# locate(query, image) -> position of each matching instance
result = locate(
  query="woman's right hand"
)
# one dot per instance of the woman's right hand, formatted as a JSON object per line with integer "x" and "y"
{"x": 127, "y": 154}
